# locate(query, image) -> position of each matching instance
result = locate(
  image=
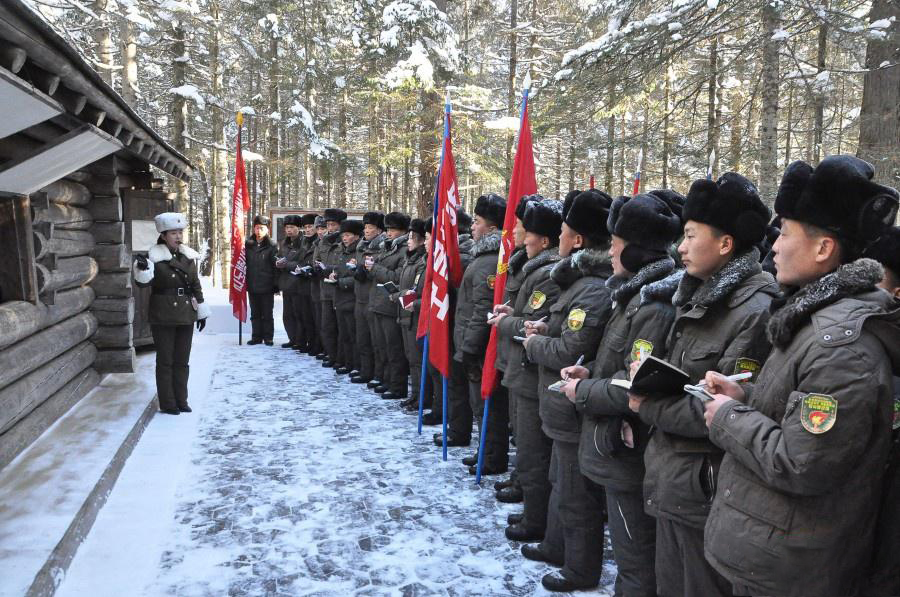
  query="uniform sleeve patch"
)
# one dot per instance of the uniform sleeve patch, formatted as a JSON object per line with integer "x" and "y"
{"x": 896, "y": 424}
{"x": 641, "y": 349}
{"x": 575, "y": 320}
{"x": 490, "y": 281}
{"x": 818, "y": 412}
{"x": 537, "y": 299}
{"x": 745, "y": 365}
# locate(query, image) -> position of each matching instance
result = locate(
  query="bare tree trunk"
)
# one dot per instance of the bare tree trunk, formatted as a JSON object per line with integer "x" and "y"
{"x": 273, "y": 144}
{"x": 819, "y": 105}
{"x": 103, "y": 41}
{"x": 220, "y": 157}
{"x": 712, "y": 122}
{"x": 128, "y": 44}
{"x": 667, "y": 141}
{"x": 511, "y": 88}
{"x": 768, "y": 124}
{"x": 572, "y": 156}
{"x": 179, "y": 108}
{"x": 879, "y": 118}
{"x": 622, "y": 180}
{"x": 341, "y": 165}
{"x": 645, "y": 147}
{"x": 558, "y": 168}
{"x": 790, "y": 128}
{"x": 610, "y": 139}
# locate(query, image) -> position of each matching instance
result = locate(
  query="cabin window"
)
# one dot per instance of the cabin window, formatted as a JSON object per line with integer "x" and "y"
{"x": 17, "y": 275}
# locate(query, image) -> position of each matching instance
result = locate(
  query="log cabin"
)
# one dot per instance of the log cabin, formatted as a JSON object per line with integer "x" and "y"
{"x": 81, "y": 176}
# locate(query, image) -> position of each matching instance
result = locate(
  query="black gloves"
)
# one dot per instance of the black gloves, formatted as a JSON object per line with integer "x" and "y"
{"x": 142, "y": 262}
{"x": 201, "y": 323}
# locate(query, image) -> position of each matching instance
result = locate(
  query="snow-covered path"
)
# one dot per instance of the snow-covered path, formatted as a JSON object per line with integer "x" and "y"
{"x": 293, "y": 482}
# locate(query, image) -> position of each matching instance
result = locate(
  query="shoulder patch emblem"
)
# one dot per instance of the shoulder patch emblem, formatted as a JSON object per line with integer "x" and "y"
{"x": 490, "y": 281}
{"x": 575, "y": 320}
{"x": 896, "y": 424}
{"x": 640, "y": 349}
{"x": 745, "y": 365}
{"x": 537, "y": 299}
{"x": 818, "y": 412}
{"x": 416, "y": 281}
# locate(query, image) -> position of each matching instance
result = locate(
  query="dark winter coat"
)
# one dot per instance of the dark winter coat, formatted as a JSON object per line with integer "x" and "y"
{"x": 315, "y": 280}
{"x": 719, "y": 326}
{"x": 514, "y": 279}
{"x": 800, "y": 485}
{"x": 366, "y": 248}
{"x": 262, "y": 277}
{"x": 168, "y": 274}
{"x": 639, "y": 324}
{"x": 345, "y": 269}
{"x": 536, "y": 294}
{"x": 412, "y": 277}
{"x": 575, "y": 327}
{"x": 386, "y": 269}
{"x": 329, "y": 255}
{"x": 291, "y": 250}
{"x": 307, "y": 280}
{"x": 474, "y": 301}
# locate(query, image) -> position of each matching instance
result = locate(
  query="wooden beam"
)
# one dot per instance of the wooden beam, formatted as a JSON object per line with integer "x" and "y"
{"x": 114, "y": 311}
{"x": 68, "y": 192}
{"x": 66, "y": 217}
{"x": 12, "y": 58}
{"x": 112, "y": 284}
{"x": 109, "y": 232}
{"x": 18, "y": 281}
{"x": 20, "y": 319}
{"x": 106, "y": 209}
{"x": 112, "y": 258}
{"x": 114, "y": 336}
{"x": 64, "y": 243}
{"x": 32, "y": 352}
{"x": 115, "y": 360}
{"x": 23, "y": 396}
{"x": 73, "y": 102}
{"x": 69, "y": 273}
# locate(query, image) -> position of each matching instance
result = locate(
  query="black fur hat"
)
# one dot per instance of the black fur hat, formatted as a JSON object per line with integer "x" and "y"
{"x": 491, "y": 207}
{"x": 673, "y": 199}
{"x": 376, "y": 218}
{"x": 586, "y": 213}
{"x": 320, "y": 222}
{"x": 417, "y": 225}
{"x": 463, "y": 221}
{"x": 732, "y": 205}
{"x": 332, "y": 214}
{"x": 308, "y": 219}
{"x": 262, "y": 221}
{"x": 354, "y": 226}
{"x": 644, "y": 220}
{"x": 397, "y": 220}
{"x": 544, "y": 218}
{"x": 839, "y": 196}
{"x": 290, "y": 220}
{"x": 429, "y": 224}
{"x": 523, "y": 204}
{"x": 886, "y": 250}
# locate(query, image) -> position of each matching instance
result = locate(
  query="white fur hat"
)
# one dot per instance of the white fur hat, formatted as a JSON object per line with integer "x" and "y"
{"x": 170, "y": 221}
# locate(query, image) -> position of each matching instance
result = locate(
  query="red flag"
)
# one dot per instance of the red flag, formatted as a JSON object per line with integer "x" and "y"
{"x": 522, "y": 183}
{"x": 240, "y": 202}
{"x": 444, "y": 265}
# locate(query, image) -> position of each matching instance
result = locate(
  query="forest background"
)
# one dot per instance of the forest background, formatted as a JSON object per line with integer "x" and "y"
{"x": 343, "y": 99}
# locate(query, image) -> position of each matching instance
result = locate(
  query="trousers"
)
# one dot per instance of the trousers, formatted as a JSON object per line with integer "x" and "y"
{"x": 173, "y": 352}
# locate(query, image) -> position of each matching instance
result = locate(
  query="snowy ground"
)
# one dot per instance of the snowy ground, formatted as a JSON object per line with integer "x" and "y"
{"x": 289, "y": 480}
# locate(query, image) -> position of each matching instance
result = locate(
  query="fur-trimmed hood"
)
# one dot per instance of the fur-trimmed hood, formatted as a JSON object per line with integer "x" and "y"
{"x": 489, "y": 243}
{"x": 161, "y": 252}
{"x": 719, "y": 285}
{"x": 374, "y": 245}
{"x": 624, "y": 287}
{"x": 584, "y": 263}
{"x": 662, "y": 290}
{"x": 549, "y": 255}
{"x": 517, "y": 260}
{"x": 396, "y": 243}
{"x": 798, "y": 307}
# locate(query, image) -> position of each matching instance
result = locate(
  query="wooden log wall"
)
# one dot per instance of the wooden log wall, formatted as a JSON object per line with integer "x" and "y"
{"x": 54, "y": 352}
{"x": 114, "y": 306}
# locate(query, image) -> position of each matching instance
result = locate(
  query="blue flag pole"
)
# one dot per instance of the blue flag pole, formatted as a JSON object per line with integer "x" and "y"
{"x": 423, "y": 378}
{"x": 487, "y": 402}
{"x": 444, "y": 416}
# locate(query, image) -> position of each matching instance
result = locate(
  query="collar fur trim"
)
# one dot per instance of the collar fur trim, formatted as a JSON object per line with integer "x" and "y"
{"x": 846, "y": 281}
{"x": 623, "y": 288}
{"x": 161, "y": 252}
{"x": 721, "y": 284}
{"x": 489, "y": 243}
{"x": 517, "y": 260}
{"x": 586, "y": 262}
{"x": 543, "y": 258}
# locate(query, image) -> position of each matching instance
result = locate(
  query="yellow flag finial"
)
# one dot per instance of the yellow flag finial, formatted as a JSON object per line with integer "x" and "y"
{"x": 240, "y": 119}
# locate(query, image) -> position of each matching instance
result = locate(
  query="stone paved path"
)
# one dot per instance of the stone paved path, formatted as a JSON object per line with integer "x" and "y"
{"x": 304, "y": 484}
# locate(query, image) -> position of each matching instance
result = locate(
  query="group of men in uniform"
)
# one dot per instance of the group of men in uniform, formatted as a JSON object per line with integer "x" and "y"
{"x": 775, "y": 475}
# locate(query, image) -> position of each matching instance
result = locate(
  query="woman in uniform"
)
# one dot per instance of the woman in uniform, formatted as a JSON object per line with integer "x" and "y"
{"x": 176, "y": 304}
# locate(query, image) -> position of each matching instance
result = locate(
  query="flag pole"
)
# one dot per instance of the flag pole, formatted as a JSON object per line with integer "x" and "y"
{"x": 637, "y": 173}
{"x": 526, "y": 87}
{"x": 712, "y": 161}
{"x": 240, "y": 123}
{"x": 422, "y": 379}
{"x": 434, "y": 224}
